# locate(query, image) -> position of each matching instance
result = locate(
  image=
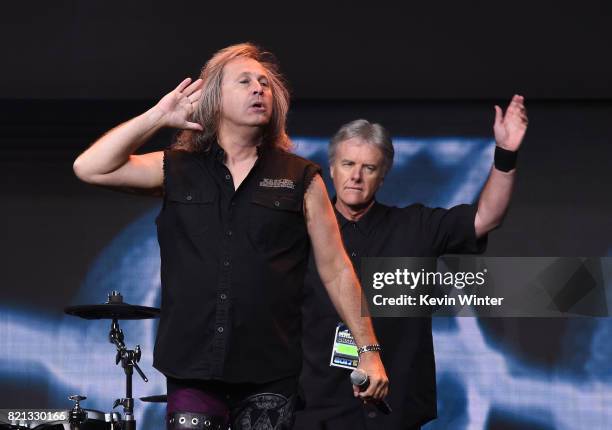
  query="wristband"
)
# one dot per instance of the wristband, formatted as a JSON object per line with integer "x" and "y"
{"x": 504, "y": 160}
{"x": 367, "y": 348}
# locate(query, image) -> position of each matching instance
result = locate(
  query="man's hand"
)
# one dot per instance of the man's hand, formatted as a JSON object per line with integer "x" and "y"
{"x": 510, "y": 128}
{"x": 110, "y": 161}
{"x": 176, "y": 107}
{"x": 378, "y": 387}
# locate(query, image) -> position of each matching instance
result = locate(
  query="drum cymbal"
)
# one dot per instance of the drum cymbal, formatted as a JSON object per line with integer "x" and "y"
{"x": 163, "y": 398}
{"x": 120, "y": 311}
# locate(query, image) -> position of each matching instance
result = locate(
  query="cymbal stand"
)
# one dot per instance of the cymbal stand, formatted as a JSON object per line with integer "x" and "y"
{"x": 129, "y": 359}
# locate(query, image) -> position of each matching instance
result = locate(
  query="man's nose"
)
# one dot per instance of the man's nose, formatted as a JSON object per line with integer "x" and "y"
{"x": 356, "y": 174}
{"x": 257, "y": 88}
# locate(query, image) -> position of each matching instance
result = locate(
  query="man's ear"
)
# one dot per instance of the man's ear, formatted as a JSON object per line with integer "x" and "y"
{"x": 331, "y": 170}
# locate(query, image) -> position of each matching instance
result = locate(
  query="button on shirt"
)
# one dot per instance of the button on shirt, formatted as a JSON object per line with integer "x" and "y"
{"x": 232, "y": 267}
{"x": 408, "y": 356}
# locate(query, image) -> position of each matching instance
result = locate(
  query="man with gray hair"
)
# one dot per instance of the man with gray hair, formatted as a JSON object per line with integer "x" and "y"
{"x": 360, "y": 156}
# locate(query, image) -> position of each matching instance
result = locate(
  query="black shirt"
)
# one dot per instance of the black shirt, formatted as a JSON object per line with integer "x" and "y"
{"x": 415, "y": 231}
{"x": 232, "y": 267}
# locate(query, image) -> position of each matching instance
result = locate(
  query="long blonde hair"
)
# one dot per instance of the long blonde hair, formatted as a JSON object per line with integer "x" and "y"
{"x": 208, "y": 111}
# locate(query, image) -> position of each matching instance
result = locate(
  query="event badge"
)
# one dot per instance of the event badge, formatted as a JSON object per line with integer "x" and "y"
{"x": 344, "y": 352}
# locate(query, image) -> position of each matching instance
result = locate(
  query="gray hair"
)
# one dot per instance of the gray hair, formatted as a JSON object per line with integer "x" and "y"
{"x": 371, "y": 133}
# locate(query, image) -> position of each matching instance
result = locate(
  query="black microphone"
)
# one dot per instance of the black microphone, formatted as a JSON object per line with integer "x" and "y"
{"x": 362, "y": 380}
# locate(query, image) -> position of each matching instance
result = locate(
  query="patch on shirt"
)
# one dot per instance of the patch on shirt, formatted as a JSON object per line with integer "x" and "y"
{"x": 277, "y": 183}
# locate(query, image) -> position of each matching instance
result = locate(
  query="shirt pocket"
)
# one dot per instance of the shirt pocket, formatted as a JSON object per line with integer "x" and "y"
{"x": 276, "y": 221}
{"x": 190, "y": 210}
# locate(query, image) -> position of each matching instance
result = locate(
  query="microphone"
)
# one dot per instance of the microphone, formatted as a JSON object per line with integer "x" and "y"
{"x": 362, "y": 380}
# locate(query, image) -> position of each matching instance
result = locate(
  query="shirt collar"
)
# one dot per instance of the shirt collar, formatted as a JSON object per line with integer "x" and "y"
{"x": 366, "y": 223}
{"x": 218, "y": 153}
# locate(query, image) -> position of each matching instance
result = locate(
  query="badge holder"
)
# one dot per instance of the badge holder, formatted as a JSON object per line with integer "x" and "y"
{"x": 344, "y": 351}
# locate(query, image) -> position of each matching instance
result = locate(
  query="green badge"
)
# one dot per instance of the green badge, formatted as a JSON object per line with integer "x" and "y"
{"x": 344, "y": 352}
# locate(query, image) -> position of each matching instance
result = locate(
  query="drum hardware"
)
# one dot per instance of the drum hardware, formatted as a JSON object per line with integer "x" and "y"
{"x": 115, "y": 309}
{"x": 162, "y": 398}
{"x": 77, "y": 415}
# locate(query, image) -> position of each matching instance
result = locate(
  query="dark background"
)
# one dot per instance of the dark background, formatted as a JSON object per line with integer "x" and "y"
{"x": 383, "y": 50}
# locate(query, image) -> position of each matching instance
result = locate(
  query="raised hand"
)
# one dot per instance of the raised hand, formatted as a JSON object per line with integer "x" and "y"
{"x": 510, "y": 128}
{"x": 177, "y": 106}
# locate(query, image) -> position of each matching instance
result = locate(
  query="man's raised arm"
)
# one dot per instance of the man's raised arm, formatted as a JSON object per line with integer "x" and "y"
{"x": 110, "y": 161}
{"x": 341, "y": 283}
{"x": 495, "y": 197}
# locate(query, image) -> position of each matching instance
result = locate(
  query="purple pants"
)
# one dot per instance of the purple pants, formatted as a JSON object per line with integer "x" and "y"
{"x": 235, "y": 403}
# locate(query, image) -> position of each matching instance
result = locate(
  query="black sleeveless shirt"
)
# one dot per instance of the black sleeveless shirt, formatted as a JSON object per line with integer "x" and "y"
{"x": 232, "y": 267}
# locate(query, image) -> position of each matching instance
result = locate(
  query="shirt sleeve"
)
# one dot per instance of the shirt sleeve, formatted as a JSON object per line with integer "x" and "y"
{"x": 310, "y": 171}
{"x": 452, "y": 231}
{"x": 165, "y": 162}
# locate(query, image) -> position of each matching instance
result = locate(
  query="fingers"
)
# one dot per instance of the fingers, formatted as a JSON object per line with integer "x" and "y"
{"x": 498, "y": 115}
{"x": 369, "y": 393}
{"x": 522, "y": 110}
{"x": 194, "y": 97}
{"x": 382, "y": 390}
{"x": 187, "y": 89}
{"x": 193, "y": 126}
{"x": 516, "y": 109}
{"x": 377, "y": 390}
{"x": 513, "y": 106}
{"x": 195, "y": 86}
{"x": 183, "y": 84}
{"x": 517, "y": 104}
{"x": 372, "y": 393}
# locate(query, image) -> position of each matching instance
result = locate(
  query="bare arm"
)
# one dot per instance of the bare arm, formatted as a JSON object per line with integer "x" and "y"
{"x": 110, "y": 161}
{"x": 494, "y": 201}
{"x": 495, "y": 197}
{"x": 341, "y": 283}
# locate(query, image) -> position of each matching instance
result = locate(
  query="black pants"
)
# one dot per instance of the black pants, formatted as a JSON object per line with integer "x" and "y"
{"x": 345, "y": 417}
{"x": 244, "y": 406}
